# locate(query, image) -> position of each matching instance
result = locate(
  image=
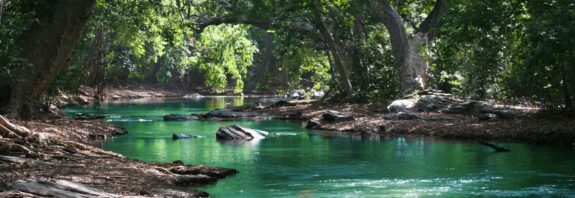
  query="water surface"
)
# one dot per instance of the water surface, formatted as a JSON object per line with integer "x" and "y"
{"x": 295, "y": 162}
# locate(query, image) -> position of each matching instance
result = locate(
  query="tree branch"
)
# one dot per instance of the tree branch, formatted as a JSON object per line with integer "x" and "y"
{"x": 233, "y": 20}
{"x": 433, "y": 20}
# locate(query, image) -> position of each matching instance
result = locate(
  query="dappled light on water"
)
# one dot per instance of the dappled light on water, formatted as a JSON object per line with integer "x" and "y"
{"x": 295, "y": 162}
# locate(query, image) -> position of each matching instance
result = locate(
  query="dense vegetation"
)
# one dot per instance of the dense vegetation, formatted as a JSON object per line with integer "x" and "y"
{"x": 370, "y": 50}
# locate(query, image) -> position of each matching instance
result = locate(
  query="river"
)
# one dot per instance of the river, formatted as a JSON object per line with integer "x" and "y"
{"x": 296, "y": 162}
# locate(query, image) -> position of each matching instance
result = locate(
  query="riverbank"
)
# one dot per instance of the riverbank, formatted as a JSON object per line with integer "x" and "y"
{"x": 87, "y": 95}
{"x": 54, "y": 158}
{"x": 375, "y": 119}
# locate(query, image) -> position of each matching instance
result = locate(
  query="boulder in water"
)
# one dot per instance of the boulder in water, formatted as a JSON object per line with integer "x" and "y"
{"x": 236, "y": 132}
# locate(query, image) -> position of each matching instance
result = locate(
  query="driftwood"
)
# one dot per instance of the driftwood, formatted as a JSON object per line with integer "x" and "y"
{"x": 95, "y": 150}
{"x": 58, "y": 188}
{"x": 184, "y": 136}
{"x": 493, "y": 146}
{"x": 8, "y": 147}
{"x": 236, "y": 132}
{"x": 203, "y": 170}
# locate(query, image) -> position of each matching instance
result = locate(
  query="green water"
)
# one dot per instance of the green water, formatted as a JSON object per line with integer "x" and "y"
{"x": 295, "y": 162}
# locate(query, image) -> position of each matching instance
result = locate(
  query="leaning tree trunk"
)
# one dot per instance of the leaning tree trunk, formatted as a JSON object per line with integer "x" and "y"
{"x": 337, "y": 56}
{"x": 401, "y": 46}
{"x": 46, "y": 48}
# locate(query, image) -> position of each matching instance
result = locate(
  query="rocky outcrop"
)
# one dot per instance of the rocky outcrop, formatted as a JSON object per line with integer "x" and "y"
{"x": 236, "y": 132}
{"x": 335, "y": 116}
{"x": 445, "y": 103}
{"x": 403, "y": 116}
{"x": 401, "y": 105}
{"x": 330, "y": 117}
{"x": 296, "y": 94}
{"x": 317, "y": 94}
{"x": 483, "y": 110}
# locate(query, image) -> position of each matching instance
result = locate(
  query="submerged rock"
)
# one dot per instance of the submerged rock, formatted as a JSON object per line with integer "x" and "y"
{"x": 236, "y": 132}
{"x": 226, "y": 114}
{"x": 178, "y": 117}
{"x": 86, "y": 116}
{"x": 184, "y": 136}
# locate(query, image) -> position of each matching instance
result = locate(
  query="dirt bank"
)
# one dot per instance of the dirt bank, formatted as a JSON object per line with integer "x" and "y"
{"x": 58, "y": 152}
{"x": 374, "y": 119}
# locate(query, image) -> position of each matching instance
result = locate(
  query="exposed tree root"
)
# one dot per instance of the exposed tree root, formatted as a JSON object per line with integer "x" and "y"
{"x": 20, "y": 130}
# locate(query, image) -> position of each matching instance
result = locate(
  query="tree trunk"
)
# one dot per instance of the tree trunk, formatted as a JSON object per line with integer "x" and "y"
{"x": 360, "y": 70}
{"x": 1, "y": 9}
{"x": 401, "y": 47}
{"x": 262, "y": 68}
{"x": 96, "y": 63}
{"x": 46, "y": 48}
{"x": 411, "y": 53}
{"x": 339, "y": 64}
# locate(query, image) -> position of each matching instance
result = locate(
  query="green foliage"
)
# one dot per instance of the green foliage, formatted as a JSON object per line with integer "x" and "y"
{"x": 224, "y": 52}
{"x": 511, "y": 50}
{"x": 307, "y": 67}
{"x": 505, "y": 50}
{"x": 16, "y": 17}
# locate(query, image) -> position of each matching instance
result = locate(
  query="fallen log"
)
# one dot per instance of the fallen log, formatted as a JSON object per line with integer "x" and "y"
{"x": 184, "y": 136}
{"x": 236, "y": 132}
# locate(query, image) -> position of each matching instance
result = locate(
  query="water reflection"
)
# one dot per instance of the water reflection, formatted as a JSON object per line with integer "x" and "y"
{"x": 294, "y": 162}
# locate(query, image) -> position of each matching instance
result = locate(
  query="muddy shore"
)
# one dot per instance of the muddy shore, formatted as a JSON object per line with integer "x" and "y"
{"x": 57, "y": 152}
